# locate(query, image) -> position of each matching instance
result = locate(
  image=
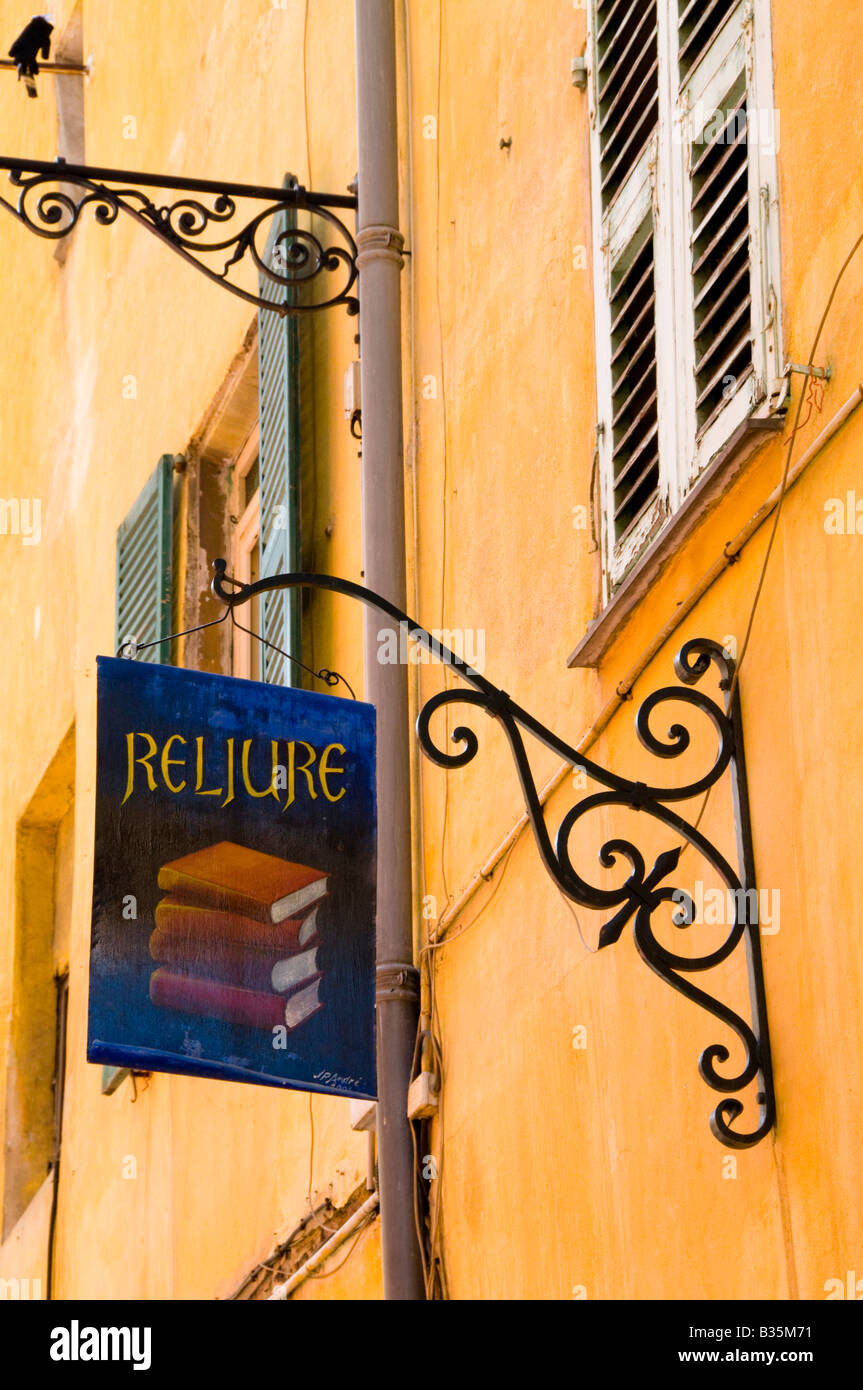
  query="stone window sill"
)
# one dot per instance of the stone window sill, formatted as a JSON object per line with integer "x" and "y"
{"x": 711, "y": 487}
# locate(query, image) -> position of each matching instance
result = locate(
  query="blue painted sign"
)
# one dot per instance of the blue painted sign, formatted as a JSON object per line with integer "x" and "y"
{"x": 234, "y": 885}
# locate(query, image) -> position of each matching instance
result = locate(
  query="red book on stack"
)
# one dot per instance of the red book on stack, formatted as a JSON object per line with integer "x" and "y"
{"x": 252, "y": 1008}
{"x": 236, "y": 937}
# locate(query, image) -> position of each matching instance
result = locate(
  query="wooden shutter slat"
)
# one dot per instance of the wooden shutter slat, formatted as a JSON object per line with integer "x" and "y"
{"x": 626, "y": 64}
{"x": 717, "y": 344}
{"x": 642, "y": 478}
{"x": 619, "y": 118}
{"x": 740, "y": 345}
{"x": 727, "y": 292}
{"x": 625, "y": 465}
{"x": 741, "y": 176}
{"x": 627, "y": 276}
{"x": 638, "y": 138}
{"x": 632, "y": 331}
{"x": 709, "y": 416}
{"x": 632, "y": 393}
{"x": 634, "y": 370}
{"x": 627, "y": 305}
{"x": 741, "y": 241}
{"x": 699, "y": 23}
{"x": 741, "y": 207}
{"x": 620, "y": 59}
{"x": 708, "y": 13}
{"x": 145, "y": 565}
{"x": 621, "y": 33}
{"x": 140, "y": 546}
{"x": 613, "y": 10}
{"x": 709, "y": 147}
{"x": 634, "y": 403}
{"x": 644, "y": 411}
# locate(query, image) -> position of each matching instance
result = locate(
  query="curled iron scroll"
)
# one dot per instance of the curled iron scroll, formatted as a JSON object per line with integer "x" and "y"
{"x": 47, "y": 207}
{"x": 644, "y": 890}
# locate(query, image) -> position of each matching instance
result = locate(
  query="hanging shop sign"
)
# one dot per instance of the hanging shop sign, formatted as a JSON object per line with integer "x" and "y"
{"x": 234, "y": 883}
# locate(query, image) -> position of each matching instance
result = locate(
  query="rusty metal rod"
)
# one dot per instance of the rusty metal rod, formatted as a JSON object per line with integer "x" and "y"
{"x": 72, "y": 68}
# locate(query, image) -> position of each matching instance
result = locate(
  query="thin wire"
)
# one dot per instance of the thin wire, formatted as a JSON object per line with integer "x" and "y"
{"x": 591, "y": 950}
{"x": 325, "y": 1274}
{"x": 687, "y": 843}
{"x": 815, "y": 401}
{"x": 330, "y": 1230}
{"x": 328, "y": 677}
{"x": 323, "y": 675}
{"x": 438, "y": 1263}
{"x": 445, "y": 939}
{"x": 171, "y": 637}
{"x": 785, "y": 473}
{"x": 814, "y": 395}
{"x": 435, "y": 1268}
{"x": 412, "y": 1126}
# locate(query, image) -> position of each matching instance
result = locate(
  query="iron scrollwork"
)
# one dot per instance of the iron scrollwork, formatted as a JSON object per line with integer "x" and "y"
{"x": 300, "y": 256}
{"x": 644, "y": 890}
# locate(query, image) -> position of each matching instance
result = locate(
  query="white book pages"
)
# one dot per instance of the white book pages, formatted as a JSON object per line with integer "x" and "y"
{"x": 287, "y": 907}
{"x": 302, "y": 1004}
{"x": 309, "y": 927}
{"x": 293, "y": 971}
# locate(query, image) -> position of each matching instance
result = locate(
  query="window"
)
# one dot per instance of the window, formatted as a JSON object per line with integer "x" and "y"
{"x": 279, "y": 465}
{"x": 44, "y": 884}
{"x": 684, "y": 137}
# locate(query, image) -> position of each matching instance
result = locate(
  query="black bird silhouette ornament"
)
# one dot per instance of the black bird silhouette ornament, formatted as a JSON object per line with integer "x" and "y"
{"x": 34, "y": 39}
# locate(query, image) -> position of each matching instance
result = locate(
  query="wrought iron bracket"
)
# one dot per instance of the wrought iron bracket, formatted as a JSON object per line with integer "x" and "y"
{"x": 644, "y": 891}
{"x": 49, "y": 205}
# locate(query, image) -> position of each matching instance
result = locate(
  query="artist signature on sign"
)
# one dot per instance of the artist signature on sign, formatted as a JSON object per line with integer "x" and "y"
{"x": 333, "y": 1078}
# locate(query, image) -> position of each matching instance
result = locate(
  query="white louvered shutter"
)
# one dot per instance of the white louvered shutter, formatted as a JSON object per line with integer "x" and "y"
{"x": 727, "y": 179}
{"x": 625, "y": 121}
{"x": 685, "y": 249}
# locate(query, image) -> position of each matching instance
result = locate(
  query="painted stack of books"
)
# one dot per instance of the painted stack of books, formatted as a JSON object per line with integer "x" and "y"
{"x": 236, "y": 937}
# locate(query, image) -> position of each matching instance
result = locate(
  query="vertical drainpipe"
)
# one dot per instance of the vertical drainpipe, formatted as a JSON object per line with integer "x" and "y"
{"x": 380, "y": 261}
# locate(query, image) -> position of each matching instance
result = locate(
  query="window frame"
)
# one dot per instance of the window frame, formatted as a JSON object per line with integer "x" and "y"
{"x": 658, "y": 187}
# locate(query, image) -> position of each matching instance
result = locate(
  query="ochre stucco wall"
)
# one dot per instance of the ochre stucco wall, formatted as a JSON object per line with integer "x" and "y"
{"x": 222, "y": 1171}
{"x": 562, "y": 1169}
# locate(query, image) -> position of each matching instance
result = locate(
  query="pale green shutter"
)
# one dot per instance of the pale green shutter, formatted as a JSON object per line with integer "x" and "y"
{"x": 144, "y": 567}
{"x": 145, "y": 545}
{"x": 279, "y": 391}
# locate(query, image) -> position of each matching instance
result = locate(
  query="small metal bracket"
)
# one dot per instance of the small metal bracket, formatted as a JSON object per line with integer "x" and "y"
{"x": 58, "y": 69}
{"x": 579, "y": 73}
{"x": 824, "y": 373}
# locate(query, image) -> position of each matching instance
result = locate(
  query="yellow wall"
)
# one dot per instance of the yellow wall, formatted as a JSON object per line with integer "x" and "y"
{"x": 222, "y": 1171}
{"x": 561, "y": 1169}
{"x": 595, "y": 1169}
